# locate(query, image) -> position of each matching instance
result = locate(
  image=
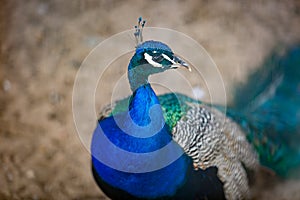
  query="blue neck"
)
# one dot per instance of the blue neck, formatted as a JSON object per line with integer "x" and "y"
{"x": 144, "y": 106}
{"x": 144, "y": 103}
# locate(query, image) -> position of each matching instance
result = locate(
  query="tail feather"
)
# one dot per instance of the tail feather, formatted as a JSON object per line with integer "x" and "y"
{"x": 270, "y": 107}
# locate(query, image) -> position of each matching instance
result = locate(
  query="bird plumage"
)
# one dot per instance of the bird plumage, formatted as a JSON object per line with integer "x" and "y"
{"x": 269, "y": 111}
{"x": 211, "y": 148}
{"x": 138, "y": 126}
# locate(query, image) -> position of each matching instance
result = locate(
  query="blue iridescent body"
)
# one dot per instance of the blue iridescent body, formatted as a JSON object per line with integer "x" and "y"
{"x": 127, "y": 160}
{"x": 166, "y": 182}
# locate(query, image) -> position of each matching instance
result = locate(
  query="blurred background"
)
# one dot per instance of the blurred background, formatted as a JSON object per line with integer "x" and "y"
{"x": 43, "y": 44}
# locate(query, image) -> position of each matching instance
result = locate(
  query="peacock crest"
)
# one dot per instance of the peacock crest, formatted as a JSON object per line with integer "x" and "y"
{"x": 139, "y": 31}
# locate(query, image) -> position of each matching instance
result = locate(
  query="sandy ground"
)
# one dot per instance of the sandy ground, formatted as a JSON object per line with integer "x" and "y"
{"x": 43, "y": 44}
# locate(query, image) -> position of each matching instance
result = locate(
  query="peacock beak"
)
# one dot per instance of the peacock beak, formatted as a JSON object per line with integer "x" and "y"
{"x": 178, "y": 62}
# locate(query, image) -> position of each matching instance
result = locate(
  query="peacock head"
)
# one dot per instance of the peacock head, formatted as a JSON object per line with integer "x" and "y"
{"x": 159, "y": 56}
{"x": 151, "y": 57}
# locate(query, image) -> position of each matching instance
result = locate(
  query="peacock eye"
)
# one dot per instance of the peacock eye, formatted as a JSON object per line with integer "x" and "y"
{"x": 158, "y": 58}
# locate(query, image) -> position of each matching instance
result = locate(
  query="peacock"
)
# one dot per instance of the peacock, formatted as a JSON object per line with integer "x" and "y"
{"x": 171, "y": 146}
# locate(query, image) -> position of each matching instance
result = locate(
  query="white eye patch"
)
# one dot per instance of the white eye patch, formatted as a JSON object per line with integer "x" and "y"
{"x": 168, "y": 58}
{"x": 150, "y": 61}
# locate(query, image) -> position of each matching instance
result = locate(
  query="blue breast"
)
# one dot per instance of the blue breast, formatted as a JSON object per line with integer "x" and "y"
{"x": 126, "y": 150}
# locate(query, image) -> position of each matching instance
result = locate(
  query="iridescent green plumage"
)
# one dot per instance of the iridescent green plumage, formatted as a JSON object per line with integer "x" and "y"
{"x": 174, "y": 106}
{"x": 271, "y": 117}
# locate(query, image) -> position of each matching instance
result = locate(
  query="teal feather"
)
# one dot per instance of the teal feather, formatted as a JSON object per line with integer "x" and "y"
{"x": 271, "y": 116}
